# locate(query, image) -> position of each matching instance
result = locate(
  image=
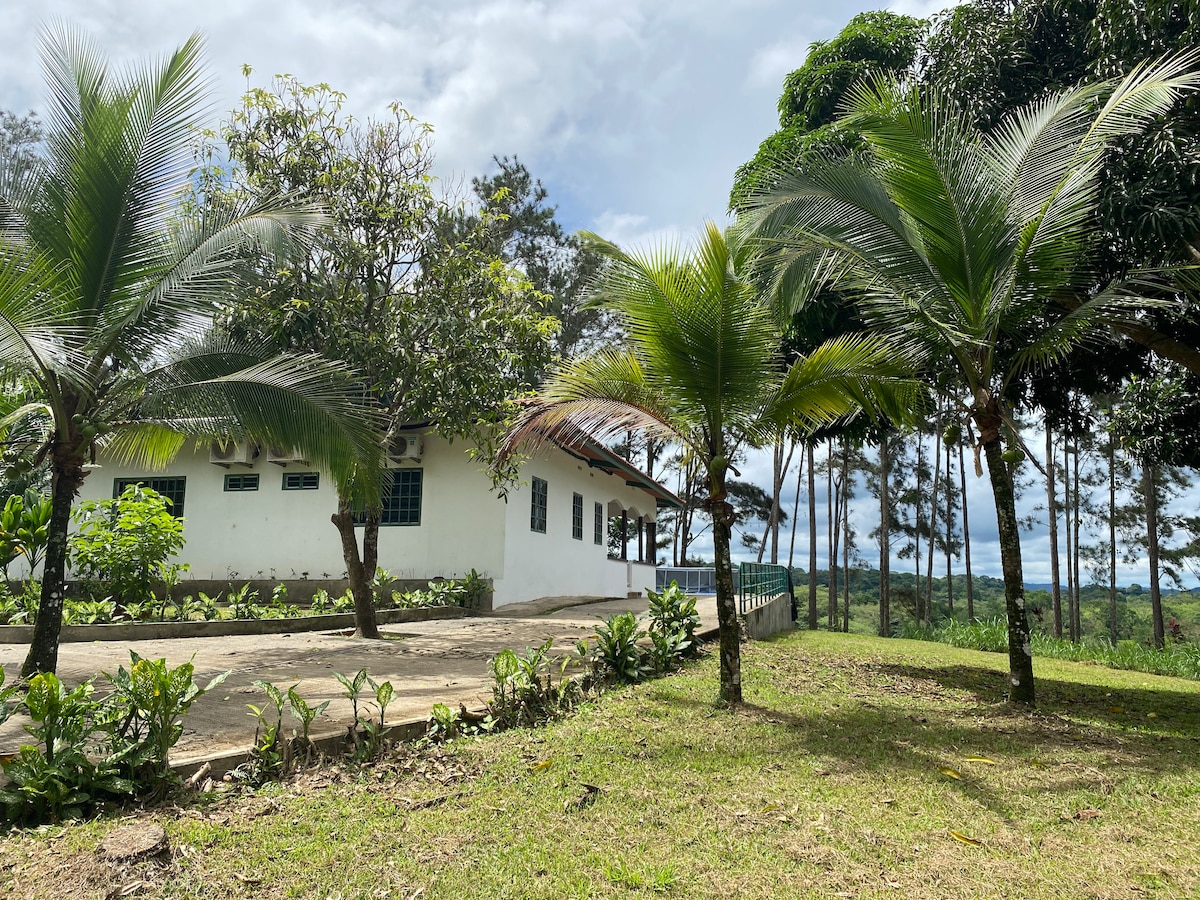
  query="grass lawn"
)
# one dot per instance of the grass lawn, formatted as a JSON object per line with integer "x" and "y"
{"x": 860, "y": 767}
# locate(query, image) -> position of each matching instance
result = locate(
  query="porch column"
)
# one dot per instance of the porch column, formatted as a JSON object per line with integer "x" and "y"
{"x": 624, "y": 534}
{"x": 641, "y": 539}
{"x": 652, "y": 542}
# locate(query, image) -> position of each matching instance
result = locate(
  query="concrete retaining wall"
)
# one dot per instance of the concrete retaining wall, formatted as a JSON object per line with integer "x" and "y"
{"x": 152, "y": 631}
{"x": 770, "y": 618}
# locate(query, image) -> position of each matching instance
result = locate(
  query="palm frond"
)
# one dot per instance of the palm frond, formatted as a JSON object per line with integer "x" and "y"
{"x": 302, "y": 401}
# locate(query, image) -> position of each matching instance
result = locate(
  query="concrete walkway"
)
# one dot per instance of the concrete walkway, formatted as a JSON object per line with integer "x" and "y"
{"x": 441, "y": 661}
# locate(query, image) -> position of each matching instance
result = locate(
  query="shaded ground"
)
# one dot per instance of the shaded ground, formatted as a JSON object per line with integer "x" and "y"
{"x": 427, "y": 662}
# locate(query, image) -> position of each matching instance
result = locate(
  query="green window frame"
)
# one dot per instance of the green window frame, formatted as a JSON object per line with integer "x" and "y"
{"x": 577, "y": 516}
{"x": 241, "y": 481}
{"x": 538, "y": 505}
{"x": 173, "y": 488}
{"x": 402, "y": 498}
{"x": 301, "y": 481}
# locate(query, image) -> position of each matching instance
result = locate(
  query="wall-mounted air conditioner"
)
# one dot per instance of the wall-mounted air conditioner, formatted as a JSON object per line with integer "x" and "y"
{"x": 281, "y": 456}
{"x": 405, "y": 446}
{"x": 231, "y": 453}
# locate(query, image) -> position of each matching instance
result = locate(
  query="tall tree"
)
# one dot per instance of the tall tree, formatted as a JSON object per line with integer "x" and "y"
{"x": 440, "y": 330}
{"x": 959, "y": 243}
{"x": 703, "y": 365}
{"x": 527, "y": 234}
{"x": 107, "y": 294}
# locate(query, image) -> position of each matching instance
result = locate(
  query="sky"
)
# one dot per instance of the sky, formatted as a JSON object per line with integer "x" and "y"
{"x": 634, "y": 113}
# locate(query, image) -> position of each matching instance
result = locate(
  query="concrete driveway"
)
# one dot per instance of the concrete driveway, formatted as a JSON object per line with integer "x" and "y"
{"x": 441, "y": 661}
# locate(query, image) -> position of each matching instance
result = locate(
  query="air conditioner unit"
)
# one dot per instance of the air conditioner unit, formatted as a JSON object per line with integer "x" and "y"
{"x": 405, "y": 446}
{"x": 281, "y": 456}
{"x": 231, "y": 453}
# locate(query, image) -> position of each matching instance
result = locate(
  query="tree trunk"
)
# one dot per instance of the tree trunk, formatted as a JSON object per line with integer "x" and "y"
{"x": 1112, "y": 540}
{"x": 812, "y": 539}
{"x": 1077, "y": 620}
{"x": 1020, "y": 650}
{"x": 67, "y": 474}
{"x": 833, "y": 517}
{"x": 1052, "y": 519}
{"x": 933, "y": 515}
{"x": 918, "y": 595}
{"x": 1071, "y": 574}
{"x": 728, "y": 633}
{"x": 949, "y": 537}
{"x": 846, "y": 536}
{"x": 885, "y": 538}
{"x": 365, "y": 624}
{"x": 962, "y": 478}
{"x": 795, "y": 512}
{"x": 1150, "y": 490}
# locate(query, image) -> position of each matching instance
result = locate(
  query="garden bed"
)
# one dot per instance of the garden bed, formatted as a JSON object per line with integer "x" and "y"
{"x": 148, "y": 631}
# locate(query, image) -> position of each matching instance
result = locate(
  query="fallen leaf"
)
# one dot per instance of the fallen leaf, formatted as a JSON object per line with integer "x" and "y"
{"x": 979, "y": 759}
{"x": 541, "y": 766}
{"x": 951, "y": 773}
{"x": 1085, "y": 814}
{"x": 770, "y": 807}
{"x": 1151, "y": 715}
{"x": 963, "y": 839}
{"x": 1116, "y": 709}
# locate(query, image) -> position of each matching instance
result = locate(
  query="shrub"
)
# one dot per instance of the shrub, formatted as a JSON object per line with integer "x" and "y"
{"x": 123, "y": 545}
{"x": 617, "y": 652}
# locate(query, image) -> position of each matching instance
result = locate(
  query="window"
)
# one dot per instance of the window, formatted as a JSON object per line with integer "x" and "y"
{"x": 170, "y": 488}
{"x": 402, "y": 498}
{"x": 301, "y": 481}
{"x": 242, "y": 482}
{"x": 577, "y": 516}
{"x": 598, "y": 525}
{"x": 537, "y": 508}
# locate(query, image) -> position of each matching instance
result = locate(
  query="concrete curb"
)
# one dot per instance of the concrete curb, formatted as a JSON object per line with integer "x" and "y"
{"x": 154, "y": 631}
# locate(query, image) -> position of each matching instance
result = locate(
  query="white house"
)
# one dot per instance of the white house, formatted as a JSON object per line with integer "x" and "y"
{"x": 250, "y": 513}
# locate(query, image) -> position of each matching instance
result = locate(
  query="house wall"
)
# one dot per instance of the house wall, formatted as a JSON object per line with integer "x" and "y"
{"x": 555, "y": 563}
{"x": 283, "y": 534}
{"x": 275, "y": 533}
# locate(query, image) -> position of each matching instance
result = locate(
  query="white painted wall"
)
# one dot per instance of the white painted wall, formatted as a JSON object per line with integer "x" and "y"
{"x": 554, "y": 563}
{"x": 273, "y": 533}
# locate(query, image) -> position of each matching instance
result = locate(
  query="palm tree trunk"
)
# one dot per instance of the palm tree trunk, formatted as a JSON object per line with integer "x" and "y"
{"x": 885, "y": 538}
{"x": 67, "y": 476}
{"x": 365, "y": 623}
{"x": 728, "y": 633}
{"x": 1052, "y": 518}
{"x": 962, "y": 479}
{"x": 1150, "y": 490}
{"x": 1020, "y": 651}
{"x": 812, "y": 540}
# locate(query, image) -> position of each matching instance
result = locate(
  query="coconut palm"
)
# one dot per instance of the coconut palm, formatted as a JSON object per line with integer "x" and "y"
{"x": 972, "y": 247}
{"x": 702, "y": 365}
{"x": 107, "y": 295}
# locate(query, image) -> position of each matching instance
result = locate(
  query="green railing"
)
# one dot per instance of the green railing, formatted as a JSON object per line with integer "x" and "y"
{"x": 761, "y": 582}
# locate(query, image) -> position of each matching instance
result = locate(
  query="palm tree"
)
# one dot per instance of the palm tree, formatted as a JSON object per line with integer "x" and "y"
{"x": 703, "y": 365}
{"x": 973, "y": 248}
{"x": 107, "y": 295}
